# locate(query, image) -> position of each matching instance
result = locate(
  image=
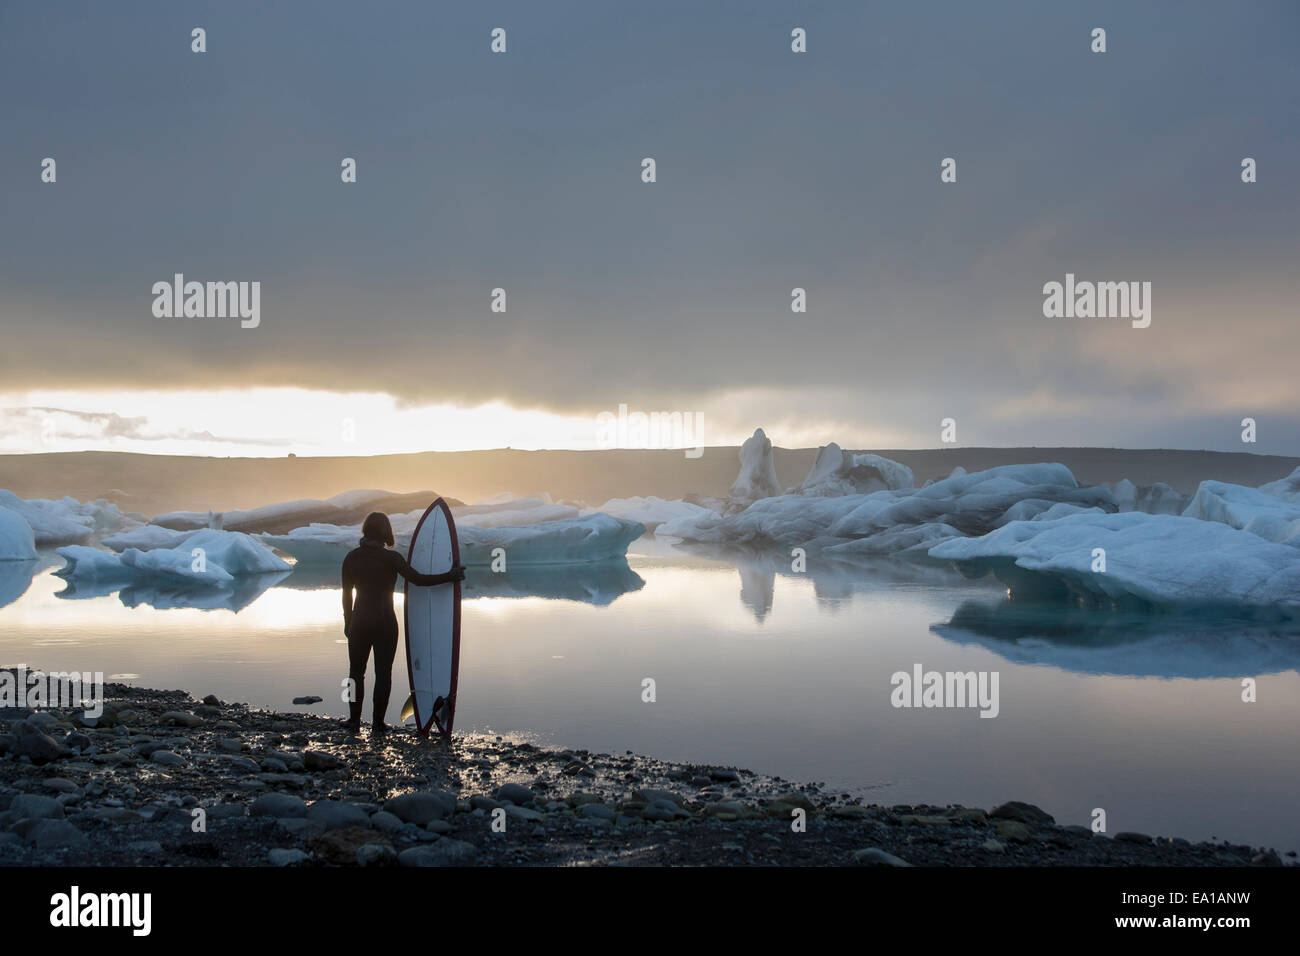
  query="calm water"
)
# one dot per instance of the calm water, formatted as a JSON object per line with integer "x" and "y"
{"x": 782, "y": 673}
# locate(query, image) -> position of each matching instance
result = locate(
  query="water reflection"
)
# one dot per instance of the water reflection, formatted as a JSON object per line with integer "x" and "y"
{"x": 242, "y": 592}
{"x": 1133, "y": 643}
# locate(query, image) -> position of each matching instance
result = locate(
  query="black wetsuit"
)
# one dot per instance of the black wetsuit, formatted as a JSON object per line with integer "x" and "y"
{"x": 373, "y": 569}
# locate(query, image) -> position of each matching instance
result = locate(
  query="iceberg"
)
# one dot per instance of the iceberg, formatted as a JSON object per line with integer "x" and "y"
{"x": 66, "y": 521}
{"x": 1287, "y": 488}
{"x": 146, "y": 538}
{"x": 651, "y": 512}
{"x": 349, "y": 507}
{"x": 225, "y": 556}
{"x": 837, "y": 472}
{"x": 892, "y": 521}
{"x": 1247, "y": 509}
{"x": 598, "y": 537}
{"x": 17, "y": 540}
{"x": 1150, "y": 560}
{"x": 757, "y": 478}
{"x": 1156, "y": 499}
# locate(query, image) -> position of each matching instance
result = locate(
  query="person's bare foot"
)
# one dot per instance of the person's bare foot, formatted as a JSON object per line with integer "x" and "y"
{"x": 379, "y": 730}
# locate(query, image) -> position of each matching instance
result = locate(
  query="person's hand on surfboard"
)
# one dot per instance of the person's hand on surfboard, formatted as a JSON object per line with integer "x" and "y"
{"x": 457, "y": 573}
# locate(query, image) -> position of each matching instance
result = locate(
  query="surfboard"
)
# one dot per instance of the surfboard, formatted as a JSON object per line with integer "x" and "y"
{"x": 432, "y": 618}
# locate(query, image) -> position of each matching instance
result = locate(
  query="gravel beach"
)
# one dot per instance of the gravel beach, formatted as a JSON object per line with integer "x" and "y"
{"x": 164, "y": 779}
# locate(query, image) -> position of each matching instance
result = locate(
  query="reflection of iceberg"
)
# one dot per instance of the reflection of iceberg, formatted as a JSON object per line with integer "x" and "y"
{"x": 233, "y": 596}
{"x": 15, "y": 579}
{"x": 1091, "y": 641}
{"x": 598, "y": 584}
{"x": 594, "y": 583}
{"x": 1159, "y": 560}
{"x": 757, "y": 588}
{"x": 597, "y": 537}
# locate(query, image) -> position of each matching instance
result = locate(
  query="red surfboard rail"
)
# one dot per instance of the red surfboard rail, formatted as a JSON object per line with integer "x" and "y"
{"x": 423, "y": 726}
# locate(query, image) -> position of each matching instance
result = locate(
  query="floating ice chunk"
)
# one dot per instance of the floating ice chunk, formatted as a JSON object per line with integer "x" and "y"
{"x": 597, "y": 537}
{"x": 514, "y": 517}
{"x": 1248, "y": 509}
{"x": 64, "y": 521}
{"x": 1287, "y": 488}
{"x": 1156, "y": 499}
{"x": 903, "y": 540}
{"x": 972, "y": 503}
{"x": 146, "y": 538}
{"x": 347, "y": 508}
{"x": 209, "y": 557}
{"x": 321, "y": 544}
{"x": 650, "y": 512}
{"x": 837, "y": 472}
{"x": 17, "y": 541}
{"x": 757, "y": 478}
{"x": 1150, "y": 559}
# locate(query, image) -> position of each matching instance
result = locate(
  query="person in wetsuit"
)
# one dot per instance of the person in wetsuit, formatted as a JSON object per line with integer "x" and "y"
{"x": 372, "y": 569}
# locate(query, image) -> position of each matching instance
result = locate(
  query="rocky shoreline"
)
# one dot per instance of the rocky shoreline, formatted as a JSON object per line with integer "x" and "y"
{"x": 163, "y": 779}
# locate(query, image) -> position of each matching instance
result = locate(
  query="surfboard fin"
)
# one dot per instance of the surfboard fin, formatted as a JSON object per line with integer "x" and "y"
{"x": 408, "y": 709}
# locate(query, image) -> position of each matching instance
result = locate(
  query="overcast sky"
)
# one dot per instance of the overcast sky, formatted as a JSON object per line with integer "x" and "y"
{"x": 775, "y": 170}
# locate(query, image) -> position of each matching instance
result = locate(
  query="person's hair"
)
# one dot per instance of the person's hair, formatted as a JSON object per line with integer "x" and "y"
{"x": 378, "y": 528}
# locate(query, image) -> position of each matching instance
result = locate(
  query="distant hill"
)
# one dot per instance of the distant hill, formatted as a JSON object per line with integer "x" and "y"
{"x": 151, "y": 484}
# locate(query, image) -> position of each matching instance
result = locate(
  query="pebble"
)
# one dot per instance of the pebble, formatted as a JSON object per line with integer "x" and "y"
{"x": 1013, "y": 831}
{"x": 320, "y": 760}
{"x": 1023, "y": 812}
{"x": 444, "y": 852}
{"x": 287, "y": 857}
{"x": 167, "y": 758}
{"x": 515, "y": 793}
{"x": 874, "y": 856}
{"x": 375, "y": 854}
{"x": 335, "y": 815}
{"x": 279, "y": 805}
{"x": 422, "y": 808}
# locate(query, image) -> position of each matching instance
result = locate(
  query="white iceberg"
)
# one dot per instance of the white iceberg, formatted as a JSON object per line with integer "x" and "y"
{"x": 17, "y": 541}
{"x": 1287, "y": 488}
{"x": 1155, "y": 499}
{"x": 521, "y": 511}
{"x": 597, "y": 537}
{"x": 757, "y": 478}
{"x": 1247, "y": 509}
{"x": 65, "y": 521}
{"x": 146, "y": 538}
{"x": 837, "y": 472}
{"x": 899, "y": 520}
{"x": 650, "y": 511}
{"x": 349, "y": 507}
{"x": 209, "y": 557}
{"x": 1149, "y": 559}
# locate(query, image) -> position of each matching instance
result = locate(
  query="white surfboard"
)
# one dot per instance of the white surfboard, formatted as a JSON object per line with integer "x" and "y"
{"x": 433, "y": 624}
